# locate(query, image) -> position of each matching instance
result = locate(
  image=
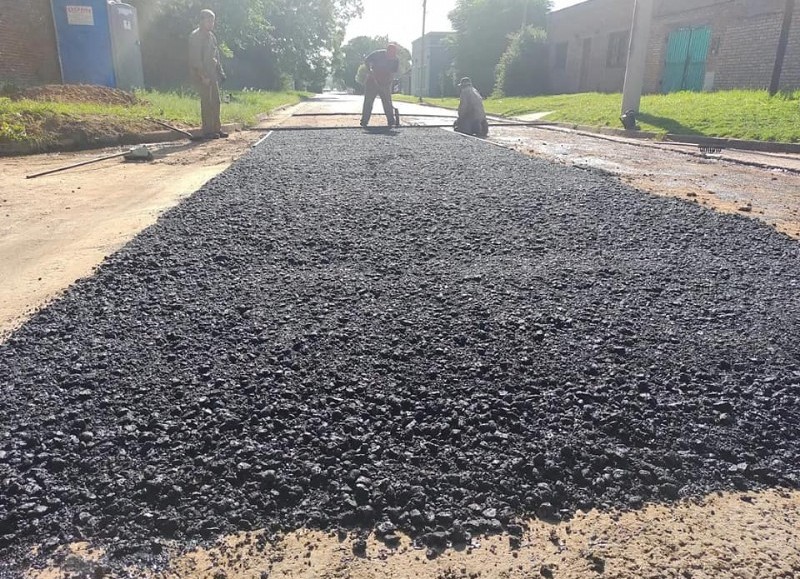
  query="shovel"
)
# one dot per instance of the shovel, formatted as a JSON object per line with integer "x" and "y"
{"x": 189, "y": 135}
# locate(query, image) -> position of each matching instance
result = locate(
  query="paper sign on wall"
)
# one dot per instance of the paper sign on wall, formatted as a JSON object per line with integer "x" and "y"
{"x": 80, "y": 16}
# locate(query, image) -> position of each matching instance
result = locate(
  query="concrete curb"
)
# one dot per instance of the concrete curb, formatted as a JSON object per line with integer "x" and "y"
{"x": 68, "y": 145}
{"x": 760, "y": 146}
{"x": 700, "y": 141}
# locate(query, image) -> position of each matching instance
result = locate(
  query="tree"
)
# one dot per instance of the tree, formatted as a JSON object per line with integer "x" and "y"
{"x": 306, "y": 34}
{"x": 351, "y": 57}
{"x": 482, "y": 34}
{"x": 266, "y": 40}
{"x": 523, "y": 70}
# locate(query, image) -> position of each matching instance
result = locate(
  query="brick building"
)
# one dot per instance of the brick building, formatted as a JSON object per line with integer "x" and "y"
{"x": 28, "y": 53}
{"x": 694, "y": 45}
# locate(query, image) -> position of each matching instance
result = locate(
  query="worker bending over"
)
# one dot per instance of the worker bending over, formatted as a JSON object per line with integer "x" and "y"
{"x": 381, "y": 68}
{"x": 471, "y": 114}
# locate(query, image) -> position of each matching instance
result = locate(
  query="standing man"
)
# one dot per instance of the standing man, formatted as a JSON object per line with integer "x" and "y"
{"x": 206, "y": 73}
{"x": 471, "y": 114}
{"x": 381, "y": 68}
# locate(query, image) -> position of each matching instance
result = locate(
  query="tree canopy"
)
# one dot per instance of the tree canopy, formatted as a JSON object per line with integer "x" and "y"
{"x": 483, "y": 30}
{"x": 351, "y": 56}
{"x": 281, "y": 38}
{"x": 523, "y": 70}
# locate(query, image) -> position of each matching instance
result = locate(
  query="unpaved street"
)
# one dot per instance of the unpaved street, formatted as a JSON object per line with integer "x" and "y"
{"x": 410, "y": 333}
{"x": 56, "y": 229}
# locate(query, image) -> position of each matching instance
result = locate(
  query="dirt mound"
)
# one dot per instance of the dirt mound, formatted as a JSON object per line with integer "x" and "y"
{"x": 78, "y": 93}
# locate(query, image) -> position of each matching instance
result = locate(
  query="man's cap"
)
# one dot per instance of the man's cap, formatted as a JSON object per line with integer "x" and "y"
{"x": 206, "y": 13}
{"x": 465, "y": 81}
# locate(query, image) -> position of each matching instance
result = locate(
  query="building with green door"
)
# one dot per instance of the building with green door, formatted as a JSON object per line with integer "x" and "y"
{"x": 694, "y": 45}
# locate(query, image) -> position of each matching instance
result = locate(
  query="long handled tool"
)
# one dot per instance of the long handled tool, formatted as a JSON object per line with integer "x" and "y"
{"x": 138, "y": 154}
{"x": 190, "y": 136}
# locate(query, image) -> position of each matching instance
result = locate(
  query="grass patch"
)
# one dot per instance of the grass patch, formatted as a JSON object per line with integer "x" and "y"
{"x": 244, "y": 107}
{"x": 736, "y": 114}
{"x": 44, "y": 122}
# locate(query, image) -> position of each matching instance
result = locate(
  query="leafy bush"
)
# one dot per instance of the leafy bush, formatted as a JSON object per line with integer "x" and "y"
{"x": 522, "y": 70}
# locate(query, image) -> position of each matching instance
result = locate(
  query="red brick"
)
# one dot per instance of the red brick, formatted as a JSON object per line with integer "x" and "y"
{"x": 28, "y": 53}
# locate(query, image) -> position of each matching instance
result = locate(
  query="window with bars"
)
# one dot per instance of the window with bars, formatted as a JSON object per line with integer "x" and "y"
{"x": 617, "y": 49}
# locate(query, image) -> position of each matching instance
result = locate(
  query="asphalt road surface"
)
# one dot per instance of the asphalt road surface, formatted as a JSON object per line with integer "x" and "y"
{"x": 407, "y": 331}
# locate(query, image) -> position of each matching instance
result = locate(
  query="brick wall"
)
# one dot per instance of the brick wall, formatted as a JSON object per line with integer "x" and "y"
{"x": 744, "y": 41}
{"x": 28, "y": 53}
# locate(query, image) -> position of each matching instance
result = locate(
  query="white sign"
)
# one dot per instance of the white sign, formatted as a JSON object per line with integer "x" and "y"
{"x": 80, "y": 16}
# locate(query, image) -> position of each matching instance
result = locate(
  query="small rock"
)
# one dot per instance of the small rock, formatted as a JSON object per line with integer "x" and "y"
{"x": 546, "y": 512}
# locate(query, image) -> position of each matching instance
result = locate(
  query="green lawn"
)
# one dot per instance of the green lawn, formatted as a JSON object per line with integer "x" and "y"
{"x": 37, "y": 121}
{"x": 244, "y": 107}
{"x": 739, "y": 114}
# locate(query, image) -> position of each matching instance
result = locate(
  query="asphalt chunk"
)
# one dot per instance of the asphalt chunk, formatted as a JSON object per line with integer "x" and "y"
{"x": 411, "y": 332}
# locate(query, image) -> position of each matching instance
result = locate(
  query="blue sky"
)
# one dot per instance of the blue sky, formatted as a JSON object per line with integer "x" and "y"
{"x": 401, "y": 20}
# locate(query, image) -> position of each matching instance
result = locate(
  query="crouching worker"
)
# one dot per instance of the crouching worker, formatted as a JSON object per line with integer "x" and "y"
{"x": 471, "y": 114}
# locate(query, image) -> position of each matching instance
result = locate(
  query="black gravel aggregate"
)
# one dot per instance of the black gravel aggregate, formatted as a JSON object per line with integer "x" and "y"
{"x": 405, "y": 332}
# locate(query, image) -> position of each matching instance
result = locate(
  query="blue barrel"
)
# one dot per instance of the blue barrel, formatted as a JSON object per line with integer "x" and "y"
{"x": 84, "y": 42}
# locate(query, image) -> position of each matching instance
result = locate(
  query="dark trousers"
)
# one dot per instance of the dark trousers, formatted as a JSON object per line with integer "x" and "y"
{"x": 371, "y": 90}
{"x": 471, "y": 126}
{"x": 210, "y": 107}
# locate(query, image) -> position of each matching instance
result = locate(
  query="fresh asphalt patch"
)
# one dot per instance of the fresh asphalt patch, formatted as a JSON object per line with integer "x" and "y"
{"x": 404, "y": 332}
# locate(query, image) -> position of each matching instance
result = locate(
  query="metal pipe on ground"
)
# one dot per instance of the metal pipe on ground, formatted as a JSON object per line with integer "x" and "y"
{"x": 138, "y": 154}
{"x": 377, "y": 128}
{"x": 405, "y": 115}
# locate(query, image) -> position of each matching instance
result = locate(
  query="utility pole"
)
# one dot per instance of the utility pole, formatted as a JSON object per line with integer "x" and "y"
{"x": 637, "y": 55}
{"x": 783, "y": 41}
{"x": 422, "y": 51}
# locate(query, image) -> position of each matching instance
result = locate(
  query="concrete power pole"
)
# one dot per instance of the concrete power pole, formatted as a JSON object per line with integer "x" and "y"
{"x": 783, "y": 41}
{"x": 637, "y": 55}
{"x": 422, "y": 51}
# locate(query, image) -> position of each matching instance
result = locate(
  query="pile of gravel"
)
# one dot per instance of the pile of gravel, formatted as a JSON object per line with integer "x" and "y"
{"x": 413, "y": 332}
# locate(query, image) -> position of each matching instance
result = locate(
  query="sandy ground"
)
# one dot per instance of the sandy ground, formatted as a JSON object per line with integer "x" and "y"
{"x": 742, "y": 536}
{"x": 57, "y": 229}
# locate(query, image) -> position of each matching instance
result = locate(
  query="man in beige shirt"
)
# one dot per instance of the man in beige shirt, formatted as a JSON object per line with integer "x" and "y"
{"x": 206, "y": 73}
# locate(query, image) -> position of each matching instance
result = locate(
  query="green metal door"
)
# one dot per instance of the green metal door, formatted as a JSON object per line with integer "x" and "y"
{"x": 675, "y": 65}
{"x": 695, "y": 77}
{"x": 685, "y": 66}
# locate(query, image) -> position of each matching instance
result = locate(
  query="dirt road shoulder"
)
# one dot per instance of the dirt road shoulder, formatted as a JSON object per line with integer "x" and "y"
{"x": 56, "y": 229}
